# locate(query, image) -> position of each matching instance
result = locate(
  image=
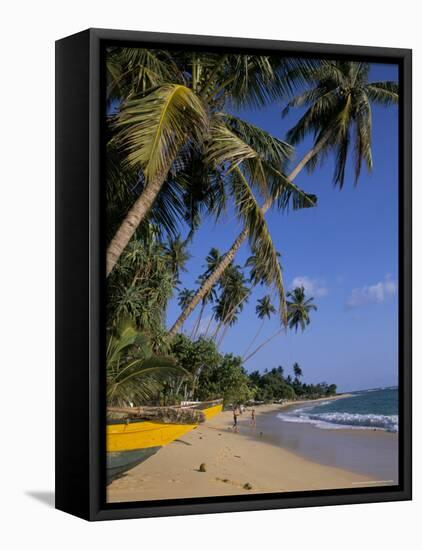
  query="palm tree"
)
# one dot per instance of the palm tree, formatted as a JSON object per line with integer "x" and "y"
{"x": 338, "y": 113}
{"x": 185, "y": 296}
{"x": 234, "y": 294}
{"x": 178, "y": 256}
{"x": 297, "y": 371}
{"x": 211, "y": 261}
{"x": 338, "y": 99}
{"x": 209, "y": 298}
{"x": 155, "y": 125}
{"x": 298, "y": 315}
{"x": 264, "y": 309}
{"x": 299, "y": 308}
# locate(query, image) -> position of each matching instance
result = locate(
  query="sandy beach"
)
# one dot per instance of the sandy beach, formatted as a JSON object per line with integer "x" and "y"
{"x": 249, "y": 461}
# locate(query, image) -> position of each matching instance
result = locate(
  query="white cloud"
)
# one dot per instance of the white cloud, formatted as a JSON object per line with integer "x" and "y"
{"x": 373, "y": 294}
{"x": 313, "y": 287}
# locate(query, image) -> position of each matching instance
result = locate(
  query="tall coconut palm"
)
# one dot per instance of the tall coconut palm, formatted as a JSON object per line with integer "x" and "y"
{"x": 212, "y": 260}
{"x": 178, "y": 255}
{"x": 297, "y": 371}
{"x": 339, "y": 114}
{"x": 298, "y": 316}
{"x": 157, "y": 124}
{"x": 264, "y": 309}
{"x": 184, "y": 297}
{"x": 234, "y": 294}
{"x": 338, "y": 98}
{"x": 299, "y": 308}
{"x": 209, "y": 298}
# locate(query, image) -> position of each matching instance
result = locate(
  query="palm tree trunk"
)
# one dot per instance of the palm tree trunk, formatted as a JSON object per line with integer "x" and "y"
{"x": 208, "y": 326}
{"x": 228, "y": 315}
{"x": 217, "y": 330}
{"x": 264, "y": 343}
{"x": 254, "y": 338}
{"x": 198, "y": 322}
{"x": 226, "y": 328}
{"x": 227, "y": 259}
{"x": 209, "y": 282}
{"x": 132, "y": 220}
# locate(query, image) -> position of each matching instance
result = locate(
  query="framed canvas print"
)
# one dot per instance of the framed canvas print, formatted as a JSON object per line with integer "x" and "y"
{"x": 233, "y": 274}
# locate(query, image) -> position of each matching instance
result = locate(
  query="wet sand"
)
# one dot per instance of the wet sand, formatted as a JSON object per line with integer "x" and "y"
{"x": 274, "y": 456}
{"x": 372, "y": 453}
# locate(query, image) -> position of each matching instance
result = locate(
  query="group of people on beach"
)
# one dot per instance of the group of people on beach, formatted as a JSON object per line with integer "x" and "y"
{"x": 237, "y": 410}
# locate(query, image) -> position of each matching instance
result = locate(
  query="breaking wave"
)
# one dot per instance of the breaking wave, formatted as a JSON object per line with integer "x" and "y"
{"x": 338, "y": 420}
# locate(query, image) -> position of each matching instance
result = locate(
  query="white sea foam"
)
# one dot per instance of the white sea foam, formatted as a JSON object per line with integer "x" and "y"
{"x": 337, "y": 420}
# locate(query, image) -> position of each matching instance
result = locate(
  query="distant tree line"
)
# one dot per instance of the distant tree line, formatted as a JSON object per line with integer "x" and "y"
{"x": 272, "y": 385}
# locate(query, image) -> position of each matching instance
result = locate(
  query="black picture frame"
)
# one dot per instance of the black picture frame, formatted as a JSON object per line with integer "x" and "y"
{"x": 80, "y": 278}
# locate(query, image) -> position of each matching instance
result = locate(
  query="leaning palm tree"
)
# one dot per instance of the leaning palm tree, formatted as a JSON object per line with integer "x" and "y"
{"x": 157, "y": 124}
{"x": 338, "y": 98}
{"x": 264, "y": 309}
{"x": 298, "y": 316}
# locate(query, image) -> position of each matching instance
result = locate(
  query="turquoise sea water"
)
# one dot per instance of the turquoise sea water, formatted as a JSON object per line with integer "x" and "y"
{"x": 377, "y": 408}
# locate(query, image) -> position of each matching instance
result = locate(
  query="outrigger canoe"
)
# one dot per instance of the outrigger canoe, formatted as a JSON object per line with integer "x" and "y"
{"x": 135, "y": 434}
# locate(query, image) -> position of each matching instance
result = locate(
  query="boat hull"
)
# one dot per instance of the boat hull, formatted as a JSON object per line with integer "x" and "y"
{"x": 121, "y": 461}
{"x": 131, "y": 442}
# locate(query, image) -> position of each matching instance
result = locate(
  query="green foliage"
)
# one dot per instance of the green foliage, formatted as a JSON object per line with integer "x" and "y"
{"x": 213, "y": 375}
{"x": 227, "y": 379}
{"x": 338, "y": 107}
{"x": 298, "y": 307}
{"x": 140, "y": 287}
{"x": 134, "y": 373}
{"x": 154, "y": 127}
{"x": 172, "y": 125}
{"x": 273, "y": 386}
{"x": 194, "y": 356}
{"x": 233, "y": 295}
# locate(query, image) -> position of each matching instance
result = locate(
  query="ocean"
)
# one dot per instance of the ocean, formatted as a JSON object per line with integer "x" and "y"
{"x": 368, "y": 409}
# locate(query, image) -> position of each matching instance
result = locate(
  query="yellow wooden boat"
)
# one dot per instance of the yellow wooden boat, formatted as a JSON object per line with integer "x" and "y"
{"x": 133, "y": 439}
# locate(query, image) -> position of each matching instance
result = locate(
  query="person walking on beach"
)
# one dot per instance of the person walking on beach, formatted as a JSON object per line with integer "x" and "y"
{"x": 235, "y": 415}
{"x": 253, "y": 418}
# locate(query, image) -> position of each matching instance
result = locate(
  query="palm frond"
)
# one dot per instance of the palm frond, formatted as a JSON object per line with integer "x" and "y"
{"x": 384, "y": 93}
{"x": 225, "y": 147}
{"x": 250, "y": 211}
{"x": 267, "y": 146}
{"x": 154, "y": 127}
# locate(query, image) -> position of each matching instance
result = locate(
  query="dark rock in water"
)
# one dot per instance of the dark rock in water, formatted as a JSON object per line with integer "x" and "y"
{"x": 248, "y": 486}
{"x": 203, "y": 467}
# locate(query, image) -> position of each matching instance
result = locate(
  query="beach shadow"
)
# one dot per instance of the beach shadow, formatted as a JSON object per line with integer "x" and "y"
{"x": 45, "y": 497}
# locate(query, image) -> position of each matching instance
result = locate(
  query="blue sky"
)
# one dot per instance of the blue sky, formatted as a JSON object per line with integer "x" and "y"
{"x": 345, "y": 251}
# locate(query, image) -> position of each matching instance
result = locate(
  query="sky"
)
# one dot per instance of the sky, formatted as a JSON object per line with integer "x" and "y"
{"x": 344, "y": 252}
